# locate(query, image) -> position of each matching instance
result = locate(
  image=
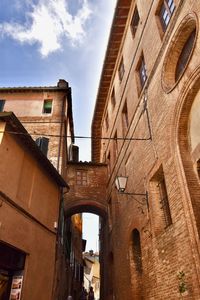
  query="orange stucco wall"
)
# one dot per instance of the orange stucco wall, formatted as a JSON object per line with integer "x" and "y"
{"x": 29, "y": 192}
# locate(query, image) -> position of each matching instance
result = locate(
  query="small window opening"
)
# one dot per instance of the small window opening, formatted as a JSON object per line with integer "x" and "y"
{"x": 47, "y": 107}
{"x": 137, "y": 253}
{"x": 164, "y": 202}
{"x": 121, "y": 70}
{"x": 135, "y": 21}
{"x": 142, "y": 72}
{"x": 2, "y": 103}
{"x": 198, "y": 168}
{"x": 125, "y": 121}
{"x": 113, "y": 99}
{"x": 81, "y": 177}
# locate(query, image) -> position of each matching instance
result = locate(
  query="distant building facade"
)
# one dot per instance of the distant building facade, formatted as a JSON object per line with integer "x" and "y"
{"x": 146, "y": 127}
{"x": 92, "y": 272}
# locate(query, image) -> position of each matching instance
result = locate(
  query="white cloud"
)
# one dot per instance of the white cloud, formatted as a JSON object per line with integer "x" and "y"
{"x": 48, "y": 23}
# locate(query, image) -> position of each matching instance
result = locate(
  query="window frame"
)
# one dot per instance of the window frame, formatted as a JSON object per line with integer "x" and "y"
{"x": 81, "y": 177}
{"x": 185, "y": 54}
{"x": 106, "y": 121}
{"x": 141, "y": 71}
{"x": 159, "y": 202}
{"x": 43, "y": 143}
{"x": 169, "y": 13}
{"x": 44, "y": 109}
{"x": 125, "y": 119}
{"x": 115, "y": 147}
{"x": 135, "y": 21}
{"x": 2, "y": 104}
{"x": 113, "y": 98}
{"x": 121, "y": 69}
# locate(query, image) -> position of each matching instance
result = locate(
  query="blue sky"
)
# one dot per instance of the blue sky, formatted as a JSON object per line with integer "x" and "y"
{"x": 42, "y": 41}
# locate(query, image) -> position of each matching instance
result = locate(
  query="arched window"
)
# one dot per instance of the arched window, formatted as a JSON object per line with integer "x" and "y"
{"x": 179, "y": 52}
{"x": 185, "y": 54}
{"x": 137, "y": 253}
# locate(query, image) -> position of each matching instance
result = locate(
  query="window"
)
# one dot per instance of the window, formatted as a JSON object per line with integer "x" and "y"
{"x": 113, "y": 100}
{"x": 108, "y": 161}
{"x": 81, "y": 177}
{"x": 160, "y": 204}
{"x": 47, "y": 107}
{"x": 198, "y": 168}
{"x": 2, "y": 103}
{"x": 106, "y": 121}
{"x": 165, "y": 12}
{"x": 164, "y": 202}
{"x": 43, "y": 143}
{"x": 185, "y": 54}
{"x": 115, "y": 147}
{"x": 135, "y": 21}
{"x": 179, "y": 52}
{"x": 125, "y": 122}
{"x": 121, "y": 70}
{"x": 142, "y": 72}
{"x": 137, "y": 253}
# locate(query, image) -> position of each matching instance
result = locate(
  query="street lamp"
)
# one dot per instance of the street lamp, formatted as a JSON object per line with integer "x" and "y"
{"x": 121, "y": 183}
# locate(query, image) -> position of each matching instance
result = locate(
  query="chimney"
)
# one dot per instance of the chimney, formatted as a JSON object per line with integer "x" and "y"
{"x": 62, "y": 83}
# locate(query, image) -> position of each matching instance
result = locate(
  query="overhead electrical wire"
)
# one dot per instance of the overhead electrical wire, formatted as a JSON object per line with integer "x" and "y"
{"x": 76, "y": 137}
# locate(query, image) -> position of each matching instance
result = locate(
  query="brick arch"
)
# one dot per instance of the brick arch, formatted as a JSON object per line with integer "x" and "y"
{"x": 87, "y": 188}
{"x": 179, "y": 39}
{"x": 181, "y": 122}
{"x": 87, "y": 206}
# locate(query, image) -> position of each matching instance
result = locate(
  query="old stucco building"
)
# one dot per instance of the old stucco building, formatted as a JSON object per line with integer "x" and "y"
{"x": 146, "y": 126}
{"x": 46, "y": 113}
{"x": 30, "y": 197}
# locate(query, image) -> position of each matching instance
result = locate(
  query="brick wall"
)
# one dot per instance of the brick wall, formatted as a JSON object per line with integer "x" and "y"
{"x": 166, "y": 249}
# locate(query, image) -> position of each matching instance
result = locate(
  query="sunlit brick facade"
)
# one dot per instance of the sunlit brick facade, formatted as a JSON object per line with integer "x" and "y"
{"x": 151, "y": 134}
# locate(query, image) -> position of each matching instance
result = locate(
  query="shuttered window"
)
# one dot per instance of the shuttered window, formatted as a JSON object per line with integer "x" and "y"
{"x": 43, "y": 143}
{"x": 2, "y": 103}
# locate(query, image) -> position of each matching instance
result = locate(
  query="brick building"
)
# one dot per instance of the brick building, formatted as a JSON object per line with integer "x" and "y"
{"x": 146, "y": 127}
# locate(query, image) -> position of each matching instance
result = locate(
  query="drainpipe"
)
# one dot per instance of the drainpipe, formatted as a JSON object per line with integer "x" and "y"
{"x": 61, "y": 129}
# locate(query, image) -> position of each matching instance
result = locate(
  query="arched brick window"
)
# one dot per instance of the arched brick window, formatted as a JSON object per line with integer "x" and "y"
{"x": 185, "y": 54}
{"x": 137, "y": 253}
{"x": 179, "y": 52}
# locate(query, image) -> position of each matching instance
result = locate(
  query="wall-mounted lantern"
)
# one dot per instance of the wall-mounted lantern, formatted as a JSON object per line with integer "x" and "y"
{"x": 121, "y": 183}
